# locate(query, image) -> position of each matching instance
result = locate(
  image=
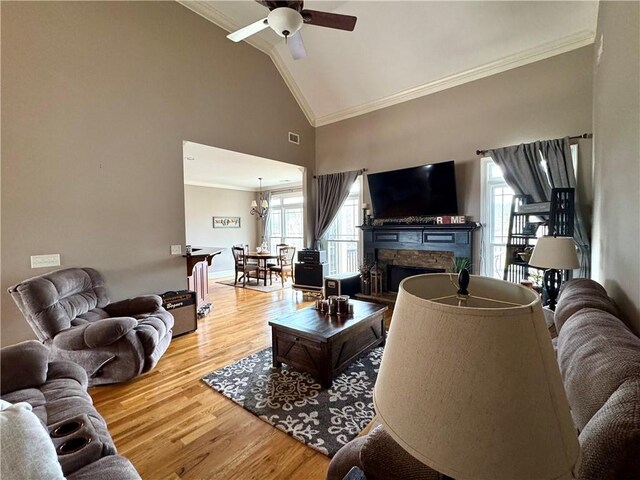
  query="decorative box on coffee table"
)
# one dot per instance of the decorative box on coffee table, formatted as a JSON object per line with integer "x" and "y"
{"x": 324, "y": 345}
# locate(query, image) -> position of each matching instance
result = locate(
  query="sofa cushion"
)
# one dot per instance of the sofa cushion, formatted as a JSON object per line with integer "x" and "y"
{"x": 27, "y": 451}
{"x": 580, "y": 293}
{"x": 67, "y": 370}
{"x": 90, "y": 316}
{"x": 596, "y": 353}
{"x": 33, "y": 397}
{"x": 23, "y": 365}
{"x": 610, "y": 442}
{"x": 383, "y": 459}
{"x": 68, "y": 399}
{"x": 347, "y": 457}
{"x": 111, "y": 467}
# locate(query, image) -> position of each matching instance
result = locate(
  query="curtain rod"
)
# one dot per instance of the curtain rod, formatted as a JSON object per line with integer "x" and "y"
{"x": 362, "y": 170}
{"x": 575, "y": 137}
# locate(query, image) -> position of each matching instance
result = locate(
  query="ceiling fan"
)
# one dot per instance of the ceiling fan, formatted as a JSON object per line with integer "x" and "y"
{"x": 287, "y": 17}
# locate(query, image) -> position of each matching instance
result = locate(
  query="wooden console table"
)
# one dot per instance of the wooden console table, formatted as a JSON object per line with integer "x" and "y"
{"x": 198, "y": 262}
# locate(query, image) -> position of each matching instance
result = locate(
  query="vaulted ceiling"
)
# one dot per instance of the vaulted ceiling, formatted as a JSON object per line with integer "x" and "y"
{"x": 402, "y": 50}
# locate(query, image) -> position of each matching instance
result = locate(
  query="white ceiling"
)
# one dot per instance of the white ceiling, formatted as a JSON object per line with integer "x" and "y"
{"x": 401, "y": 50}
{"x": 215, "y": 167}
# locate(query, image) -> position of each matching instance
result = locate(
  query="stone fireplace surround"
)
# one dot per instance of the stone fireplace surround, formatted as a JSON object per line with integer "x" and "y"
{"x": 418, "y": 247}
{"x": 399, "y": 264}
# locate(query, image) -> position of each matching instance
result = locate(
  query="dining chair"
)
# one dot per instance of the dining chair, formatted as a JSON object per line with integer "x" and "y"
{"x": 277, "y": 260}
{"x": 285, "y": 263}
{"x": 241, "y": 265}
{"x": 245, "y": 247}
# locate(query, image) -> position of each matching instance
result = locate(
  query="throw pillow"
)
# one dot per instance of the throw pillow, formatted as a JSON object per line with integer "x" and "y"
{"x": 26, "y": 450}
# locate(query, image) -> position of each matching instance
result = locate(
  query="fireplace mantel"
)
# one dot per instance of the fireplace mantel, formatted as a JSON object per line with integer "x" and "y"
{"x": 456, "y": 238}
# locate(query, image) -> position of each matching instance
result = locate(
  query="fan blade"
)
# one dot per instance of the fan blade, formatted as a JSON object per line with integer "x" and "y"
{"x": 331, "y": 20}
{"x": 296, "y": 46}
{"x": 249, "y": 30}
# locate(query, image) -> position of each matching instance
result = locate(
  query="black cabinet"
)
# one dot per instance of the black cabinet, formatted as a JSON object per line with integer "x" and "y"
{"x": 310, "y": 274}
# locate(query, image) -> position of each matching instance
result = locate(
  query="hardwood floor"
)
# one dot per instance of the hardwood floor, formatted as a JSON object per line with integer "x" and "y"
{"x": 171, "y": 425}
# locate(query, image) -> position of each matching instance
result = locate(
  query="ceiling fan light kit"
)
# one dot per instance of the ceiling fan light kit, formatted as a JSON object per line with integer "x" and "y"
{"x": 286, "y": 19}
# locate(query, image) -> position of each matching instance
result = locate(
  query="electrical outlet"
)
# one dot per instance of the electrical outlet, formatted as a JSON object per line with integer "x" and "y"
{"x": 42, "y": 261}
{"x": 176, "y": 249}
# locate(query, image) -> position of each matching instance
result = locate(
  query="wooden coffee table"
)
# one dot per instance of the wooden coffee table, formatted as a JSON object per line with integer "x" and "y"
{"x": 324, "y": 345}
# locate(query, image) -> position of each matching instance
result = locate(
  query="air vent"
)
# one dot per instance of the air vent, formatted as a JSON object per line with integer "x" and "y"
{"x": 294, "y": 138}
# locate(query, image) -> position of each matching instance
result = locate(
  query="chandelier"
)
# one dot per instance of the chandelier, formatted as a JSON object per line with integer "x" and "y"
{"x": 261, "y": 207}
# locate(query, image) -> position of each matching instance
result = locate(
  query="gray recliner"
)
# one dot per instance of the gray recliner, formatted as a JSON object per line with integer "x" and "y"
{"x": 70, "y": 312}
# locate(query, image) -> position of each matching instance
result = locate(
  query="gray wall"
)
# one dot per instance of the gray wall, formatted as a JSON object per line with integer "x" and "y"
{"x": 546, "y": 99}
{"x": 203, "y": 203}
{"x": 616, "y": 123}
{"x": 97, "y": 98}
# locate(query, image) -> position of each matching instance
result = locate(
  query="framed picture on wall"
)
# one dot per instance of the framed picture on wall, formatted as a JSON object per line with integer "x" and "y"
{"x": 226, "y": 222}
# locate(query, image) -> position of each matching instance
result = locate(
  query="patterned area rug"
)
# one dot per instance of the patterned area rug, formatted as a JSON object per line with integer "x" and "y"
{"x": 294, "y": 402}
{"x": 275, "y": 287}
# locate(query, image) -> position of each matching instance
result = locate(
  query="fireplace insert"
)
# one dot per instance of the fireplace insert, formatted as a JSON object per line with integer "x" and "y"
{"x": 397, "y": 273}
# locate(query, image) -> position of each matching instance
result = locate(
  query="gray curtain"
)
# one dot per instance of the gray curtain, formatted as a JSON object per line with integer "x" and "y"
{"x": 557, "y": 153}
{"x": 522, "y": 166}
{"x": 522, "y": 170}
{"x": 332, "y": 191}
{"x": 267, "y": 221}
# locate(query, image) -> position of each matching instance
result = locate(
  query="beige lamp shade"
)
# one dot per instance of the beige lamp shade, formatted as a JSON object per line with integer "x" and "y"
{"x": 475, "y": 391}
{"x": 555, "y": 252}
{"x": 254, "y": 204}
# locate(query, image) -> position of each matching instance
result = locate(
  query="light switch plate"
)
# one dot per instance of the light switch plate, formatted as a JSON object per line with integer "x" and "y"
{"x": 176, "y": 249}
{"x": 42, "y": 261}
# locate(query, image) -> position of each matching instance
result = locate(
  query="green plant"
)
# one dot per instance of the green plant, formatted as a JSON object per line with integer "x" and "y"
{"x": 460, "y": 263}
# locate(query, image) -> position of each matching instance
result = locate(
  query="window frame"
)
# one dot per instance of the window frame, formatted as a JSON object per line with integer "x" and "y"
{"x": 354, "y": 196}
{"x": 486, "y": 212}
{"x": 282, "y": 208}
{"x": 487, "y": 217}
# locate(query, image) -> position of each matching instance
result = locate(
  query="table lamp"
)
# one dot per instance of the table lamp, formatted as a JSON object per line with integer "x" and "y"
{"x": 554, "y": 254}
{"x": 469, "y": 383}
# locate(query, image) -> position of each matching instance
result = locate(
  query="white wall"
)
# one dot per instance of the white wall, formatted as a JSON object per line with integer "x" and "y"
{"x": 616, "y": 123}
{"x": 201, "y": 205}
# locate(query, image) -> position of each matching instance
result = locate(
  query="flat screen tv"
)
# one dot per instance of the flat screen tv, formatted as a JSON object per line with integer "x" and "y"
{"x": 428, "y": 190}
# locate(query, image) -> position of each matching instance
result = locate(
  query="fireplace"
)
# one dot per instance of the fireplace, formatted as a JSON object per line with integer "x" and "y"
{"x": 397, "y": 273}
{"x": 397, "y": 264}
{"x": 412, "y": 249}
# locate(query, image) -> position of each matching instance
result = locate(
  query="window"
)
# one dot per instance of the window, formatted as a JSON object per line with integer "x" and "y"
{"x": 285, "y": 219}
{"x": 342, "y": 239}
{"x": 496, "y": 209}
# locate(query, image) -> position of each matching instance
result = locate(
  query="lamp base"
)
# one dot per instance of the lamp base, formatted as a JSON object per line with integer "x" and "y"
{"x": 552, "y": 281}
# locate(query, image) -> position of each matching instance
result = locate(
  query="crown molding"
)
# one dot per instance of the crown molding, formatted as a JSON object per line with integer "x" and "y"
{"x": 547, "y": 50}
{"x": 221, "y": 186}
{"x": 208, "y": 12}
{"x": 281, "y": 187}
{"x": 541, "y": 52}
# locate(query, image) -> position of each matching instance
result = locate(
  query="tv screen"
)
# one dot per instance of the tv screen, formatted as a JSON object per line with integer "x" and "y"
{"x": 428, "y": 190}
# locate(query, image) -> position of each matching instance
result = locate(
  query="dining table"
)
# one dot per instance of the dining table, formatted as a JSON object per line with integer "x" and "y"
{"x": 262, "y": 258}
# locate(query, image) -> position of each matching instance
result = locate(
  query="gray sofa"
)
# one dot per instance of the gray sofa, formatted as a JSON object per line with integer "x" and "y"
{"x": 57, "y": 393}
{"x": 599, "y": 358}
{"x": 70, "y": 312}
